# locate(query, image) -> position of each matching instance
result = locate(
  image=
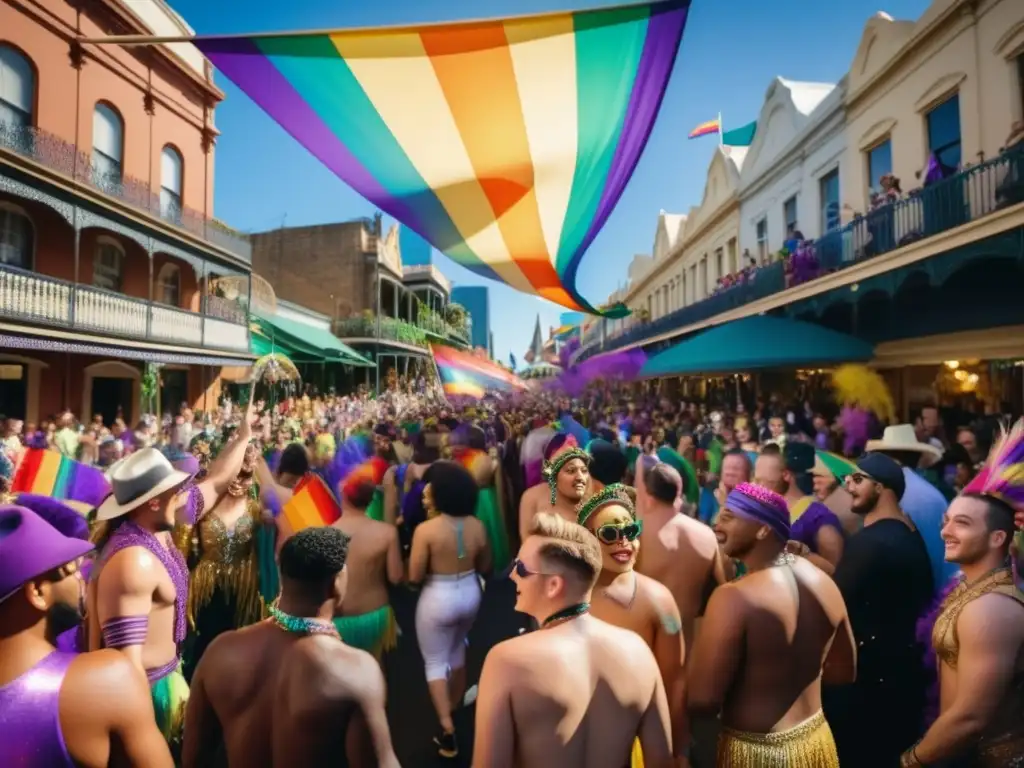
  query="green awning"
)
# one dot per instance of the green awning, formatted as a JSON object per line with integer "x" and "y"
{"x": 307, "y": 343}
{"x": 758, "y": 342}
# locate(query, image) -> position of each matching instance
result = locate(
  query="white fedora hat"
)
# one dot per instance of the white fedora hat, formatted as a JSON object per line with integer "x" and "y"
{"x": 902, "y": 437}
{"x": 135, "y": 480}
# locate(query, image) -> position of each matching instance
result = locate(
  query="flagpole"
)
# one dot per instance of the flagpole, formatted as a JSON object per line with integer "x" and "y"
{"x": 721, "y": 131}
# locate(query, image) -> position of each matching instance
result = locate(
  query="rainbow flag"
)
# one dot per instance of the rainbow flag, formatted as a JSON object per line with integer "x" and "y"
{"x": 468, "y": 375}
{"x": 505, "y": 144}
{"x": 705, "y": 129}
{"x": 49, "y": 473}
{"x": 312, "y": 505}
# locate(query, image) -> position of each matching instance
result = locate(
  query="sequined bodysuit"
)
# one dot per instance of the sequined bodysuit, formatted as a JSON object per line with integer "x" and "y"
{"x": 224, "y": 592}
{"x": 1002, "y": 743}
{"x": 30, "y": 732}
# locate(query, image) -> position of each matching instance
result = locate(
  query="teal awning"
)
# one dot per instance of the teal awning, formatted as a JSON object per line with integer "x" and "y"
{"x": 307, "y": 343}
{"x": 758, "y": 342}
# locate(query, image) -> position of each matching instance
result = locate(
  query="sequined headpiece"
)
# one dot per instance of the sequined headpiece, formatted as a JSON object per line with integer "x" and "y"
{"x": 760, "y": 505}
{"x": 616, "y": 493}
{"x": 554, "y": 466}
{"x": 1002, "y": 477}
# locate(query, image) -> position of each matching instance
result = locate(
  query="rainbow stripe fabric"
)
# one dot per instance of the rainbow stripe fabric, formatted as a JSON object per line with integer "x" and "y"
{"x": 704, "y": 129}
{"x": 49, "y": 473}
{"x": 312, "y": 505}
{"x": 505, "y": 144}
{"x": 467, "y": 375}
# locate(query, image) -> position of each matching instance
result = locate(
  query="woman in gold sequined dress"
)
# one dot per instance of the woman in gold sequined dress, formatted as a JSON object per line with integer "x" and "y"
{"x": 223, "y": 554}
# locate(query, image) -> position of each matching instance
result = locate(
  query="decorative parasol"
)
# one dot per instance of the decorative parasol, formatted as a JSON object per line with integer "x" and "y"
{"x": 274, "y": 368}
{"x": 840, "y": 466}
{"x": 234, "y": 287}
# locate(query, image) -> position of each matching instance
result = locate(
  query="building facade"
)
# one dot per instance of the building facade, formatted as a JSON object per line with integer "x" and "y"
{"x": 791, "y": 179}
{"x": 110, "y": 256}
{"x": 476, "y": 300}
{"x": 352, "y": 272}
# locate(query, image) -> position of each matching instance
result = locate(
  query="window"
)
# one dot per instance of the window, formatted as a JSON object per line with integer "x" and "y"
{"x": 762, "y": 241}
{"x": 828, "y": 189}
{"x": 694, "y": 296}
{"x": 879, "y": 164}
{"x": 789, "y": 215}
{"x": 108, "y": 266}
{"x": 1020, "y": 81}
{"x": 704, "y": 276}
{"x": 168, "y": 285}
{"x": 944, "y": 132}
{"x": 733, "y": 267}
{"x": 719, "y": 263}
{"x": 107, "y": 145}
{"x": 170, "y": 182}
{"x": 16, "y": 235}
{"x": 17, "y": 88}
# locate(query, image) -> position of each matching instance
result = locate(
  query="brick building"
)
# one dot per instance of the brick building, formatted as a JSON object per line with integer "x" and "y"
{"x": 108, "y": 246}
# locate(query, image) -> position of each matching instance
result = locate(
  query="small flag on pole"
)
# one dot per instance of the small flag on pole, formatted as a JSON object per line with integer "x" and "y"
{"x": 706, "y": 129}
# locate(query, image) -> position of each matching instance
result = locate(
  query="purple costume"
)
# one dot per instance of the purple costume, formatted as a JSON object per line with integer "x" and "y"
{"x": 814, "y": 517}
{"x": 30, "y": 732}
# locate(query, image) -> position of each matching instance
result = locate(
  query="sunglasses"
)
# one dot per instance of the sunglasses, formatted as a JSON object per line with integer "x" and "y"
{"x": 612, "y": 534}
{"x": 523, "y": 572}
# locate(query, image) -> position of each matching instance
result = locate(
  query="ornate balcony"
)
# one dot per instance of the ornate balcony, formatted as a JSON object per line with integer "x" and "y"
{"x": 428, "y": 327}
{"x": 969, "y": 195}
{"x": 35, "y": 299}
{"x": 58, "y": 155}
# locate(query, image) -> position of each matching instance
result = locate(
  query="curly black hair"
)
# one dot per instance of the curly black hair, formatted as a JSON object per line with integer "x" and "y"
{"x": 314, "y": 555}
{"x": 453, "y": 488}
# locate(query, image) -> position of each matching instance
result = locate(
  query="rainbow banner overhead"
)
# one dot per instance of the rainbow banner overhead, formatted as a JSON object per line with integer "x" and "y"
{"x": 505, "y": 144}
{"x": 470, "y": 376}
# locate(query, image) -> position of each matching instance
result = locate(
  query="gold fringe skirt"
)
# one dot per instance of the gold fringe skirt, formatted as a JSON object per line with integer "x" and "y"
{"x": 636, "y": 758}
{"x": 807, "y": 745}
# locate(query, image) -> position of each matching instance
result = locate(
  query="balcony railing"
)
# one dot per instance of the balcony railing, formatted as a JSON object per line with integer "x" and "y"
{"x": 42, "y": 300}
{"x": 971, "y": 194}
{"x": 391, "y": 329}
{"x": 60, "y": 156}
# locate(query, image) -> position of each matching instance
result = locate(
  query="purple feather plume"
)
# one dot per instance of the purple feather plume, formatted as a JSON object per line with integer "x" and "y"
{"x": 925, "y": 626}
{"x": 856, "y": 425}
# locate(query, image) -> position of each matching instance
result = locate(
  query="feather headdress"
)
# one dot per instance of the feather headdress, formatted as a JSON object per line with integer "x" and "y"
{"x": 1002, "y": 477}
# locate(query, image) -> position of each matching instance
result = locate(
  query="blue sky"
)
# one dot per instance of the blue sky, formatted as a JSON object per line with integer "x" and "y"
{"x": 731, "y": 51}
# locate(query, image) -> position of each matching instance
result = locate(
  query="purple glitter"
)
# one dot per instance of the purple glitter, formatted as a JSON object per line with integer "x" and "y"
{"x": 131, "y": 535}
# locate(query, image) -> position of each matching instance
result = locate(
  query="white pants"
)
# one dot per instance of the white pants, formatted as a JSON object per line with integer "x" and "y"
{"x": 445, "y": 613}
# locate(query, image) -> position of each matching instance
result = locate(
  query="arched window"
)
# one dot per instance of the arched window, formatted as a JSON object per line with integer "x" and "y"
{"x": 17, "y": 88}
{"x": 168, "y": 285}
{"x": 107, "y": 145}
{"x": 171, "y": 166}
{"x": 108, "y": 265}
{"x": 16, "y": 237}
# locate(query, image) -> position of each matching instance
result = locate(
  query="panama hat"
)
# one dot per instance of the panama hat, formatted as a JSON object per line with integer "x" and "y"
{"x": 136, "y": 479}
{"x": 31, "y": 547}
{"x": 901, "y": 437}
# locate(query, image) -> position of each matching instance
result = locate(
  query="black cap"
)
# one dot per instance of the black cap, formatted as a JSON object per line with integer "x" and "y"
{"x": 799, "y": 456}
{"x": 885, "y": 471}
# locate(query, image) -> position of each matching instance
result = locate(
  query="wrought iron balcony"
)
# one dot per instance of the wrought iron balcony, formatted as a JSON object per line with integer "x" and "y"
{"x": 392, "y": 329}
{"x": 971, "y": 194}
{"x": 42, "y": 300}
{"x": 58, "y": 155}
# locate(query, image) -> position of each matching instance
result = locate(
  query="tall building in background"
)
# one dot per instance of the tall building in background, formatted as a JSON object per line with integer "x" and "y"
{"x": 476, "y": 300}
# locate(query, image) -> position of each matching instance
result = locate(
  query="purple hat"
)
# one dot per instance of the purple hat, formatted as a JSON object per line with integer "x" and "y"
{"x": 64, "y": 518}
{"x": 30, "y": 547}
{"x": 760, "y": 505}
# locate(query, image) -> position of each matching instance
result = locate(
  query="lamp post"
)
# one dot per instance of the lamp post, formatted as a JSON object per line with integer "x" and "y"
{"x": 376, "y": 279}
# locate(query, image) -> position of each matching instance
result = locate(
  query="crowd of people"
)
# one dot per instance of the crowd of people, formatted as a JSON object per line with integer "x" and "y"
{"x": 683, "y": 574}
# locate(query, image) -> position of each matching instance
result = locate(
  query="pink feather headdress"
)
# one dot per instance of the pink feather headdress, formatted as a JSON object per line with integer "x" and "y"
{"x": 1002, "y": 477}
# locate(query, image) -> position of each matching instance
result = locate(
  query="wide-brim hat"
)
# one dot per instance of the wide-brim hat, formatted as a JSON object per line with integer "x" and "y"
{"x": 137, "y": 479}
{"x": 902, "y": 437}
{"x": 31, "y": 547}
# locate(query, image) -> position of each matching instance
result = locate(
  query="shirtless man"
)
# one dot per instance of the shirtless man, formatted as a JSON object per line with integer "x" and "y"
{"x": 139, "y": 584}
{"x": 578, "y": 692}
{"x": 365, "y": 619}
{"x": 285, "y": 691}
{"x": 677, "y": 550}
{"x": 768, "y": 641}
{"x": 636, "y": 602}
{"x": 61, "y": 710}
{"x": 562, "y": 496}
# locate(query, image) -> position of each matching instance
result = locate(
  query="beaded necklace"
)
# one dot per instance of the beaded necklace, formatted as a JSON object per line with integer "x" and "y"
{"x": 564, "y": 615}
{"x": 297, "y": 625}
